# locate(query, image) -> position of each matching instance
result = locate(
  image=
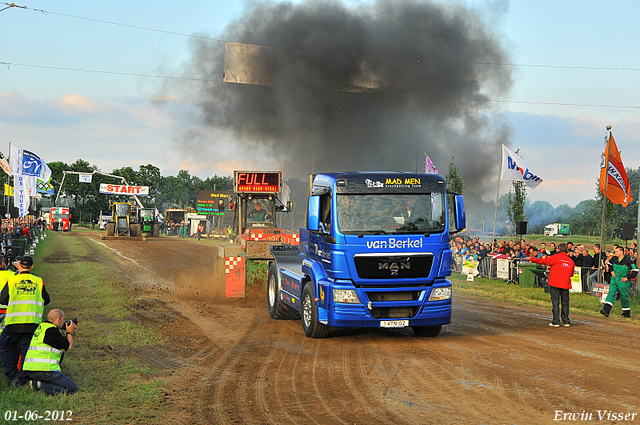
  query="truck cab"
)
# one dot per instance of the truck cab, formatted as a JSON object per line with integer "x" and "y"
{"x": 374, "y": 253}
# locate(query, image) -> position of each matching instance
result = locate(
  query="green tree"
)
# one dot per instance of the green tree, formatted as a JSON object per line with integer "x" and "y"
{"x": 454, "y": 184}
{"x": 454, "y": 181}
{"x": 517, "y": 198}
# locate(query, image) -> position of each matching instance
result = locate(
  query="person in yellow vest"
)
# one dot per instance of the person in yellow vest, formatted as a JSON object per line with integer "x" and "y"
{"x": 42, "y": 362}
{"x": 25, "y": 297}
{"x": 4, "y": 276}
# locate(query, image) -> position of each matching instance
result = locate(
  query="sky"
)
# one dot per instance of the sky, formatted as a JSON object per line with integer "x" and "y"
{"x": 85, "y": 80}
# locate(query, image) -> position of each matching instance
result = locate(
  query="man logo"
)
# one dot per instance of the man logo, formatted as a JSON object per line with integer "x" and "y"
{"x": 394, "y": 268}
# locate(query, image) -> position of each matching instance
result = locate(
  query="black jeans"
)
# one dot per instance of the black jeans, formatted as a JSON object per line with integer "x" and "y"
{"x": 559, "y": 296}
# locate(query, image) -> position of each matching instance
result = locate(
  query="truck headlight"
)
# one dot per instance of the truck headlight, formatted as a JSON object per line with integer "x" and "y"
{"x": 345, "y": 296}
{"x": 440, "y": 294}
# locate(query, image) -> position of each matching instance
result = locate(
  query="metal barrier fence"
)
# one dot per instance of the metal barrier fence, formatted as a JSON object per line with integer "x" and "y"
{"x": 509, "y": 270}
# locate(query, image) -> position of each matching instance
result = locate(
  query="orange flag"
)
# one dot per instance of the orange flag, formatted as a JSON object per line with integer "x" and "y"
{"x": 618, "y": 190}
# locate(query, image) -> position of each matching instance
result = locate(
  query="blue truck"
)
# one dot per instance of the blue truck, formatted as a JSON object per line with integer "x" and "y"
{"x": 374, "y": 253}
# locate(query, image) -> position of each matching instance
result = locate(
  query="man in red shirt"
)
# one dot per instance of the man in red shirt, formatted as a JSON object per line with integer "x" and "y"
{"x": 562, "y": 268}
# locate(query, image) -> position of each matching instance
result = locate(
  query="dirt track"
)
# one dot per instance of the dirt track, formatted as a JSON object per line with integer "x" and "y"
{"x": 494, "y": 364}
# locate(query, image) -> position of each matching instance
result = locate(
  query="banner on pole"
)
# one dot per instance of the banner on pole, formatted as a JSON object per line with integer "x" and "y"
{"x": 116, "y": 189}
{"x": 8, "y": 190}
{"x": 85, "y": 178}
{"x": 27, "y": 163}
{"x": 4, "y": 164}
{"x": 514, "y": 168}
{"x": 618, "y": 189}
{"x": 429, "y": 168}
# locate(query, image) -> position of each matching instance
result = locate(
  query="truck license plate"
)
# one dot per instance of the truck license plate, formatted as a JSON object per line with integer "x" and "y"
{"x": 394, "y": 323}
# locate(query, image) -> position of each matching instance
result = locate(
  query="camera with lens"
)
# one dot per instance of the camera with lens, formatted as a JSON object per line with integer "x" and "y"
{"x": 67, "y": 323}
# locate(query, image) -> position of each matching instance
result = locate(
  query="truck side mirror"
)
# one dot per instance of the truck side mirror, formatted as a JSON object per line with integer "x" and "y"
{"x": 289, "y": 206}
{"x": 461, "y": 215}
{"x": 313, "y": 214}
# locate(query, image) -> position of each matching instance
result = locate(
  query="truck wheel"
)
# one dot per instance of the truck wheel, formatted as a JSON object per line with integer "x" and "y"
{"x": 111, "y": 229}
{"x": 277, "y": 309}
{"x": 429, "y": 331}
{"x": 135, "y": 230}
{"x": 156, "y": 231}
{"x": 312, "y": 328}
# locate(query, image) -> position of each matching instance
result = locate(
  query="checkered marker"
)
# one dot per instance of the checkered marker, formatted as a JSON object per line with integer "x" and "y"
{"x": 234, "y": 276}
{"x": 231, "y": 262}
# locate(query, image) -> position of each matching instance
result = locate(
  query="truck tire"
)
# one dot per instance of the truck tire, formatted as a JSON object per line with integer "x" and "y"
{"x": 156, "y": 231}
{"x": 277, "y": 309}
{"x": 111, "y": 228}
{"x": 135, "y": 230}
{"x": 428, "y": 331}
{"x": 312, "y": 328}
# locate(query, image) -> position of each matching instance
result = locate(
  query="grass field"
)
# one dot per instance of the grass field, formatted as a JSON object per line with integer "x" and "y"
{"x": 113, "y": 389}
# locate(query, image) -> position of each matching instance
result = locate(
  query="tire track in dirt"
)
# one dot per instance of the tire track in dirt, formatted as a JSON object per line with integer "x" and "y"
{"x": 352, "y": 382}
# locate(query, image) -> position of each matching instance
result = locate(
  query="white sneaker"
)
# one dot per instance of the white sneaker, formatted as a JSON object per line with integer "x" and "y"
{"x": 566, "y": 325}
{"x": 554, "y": 326}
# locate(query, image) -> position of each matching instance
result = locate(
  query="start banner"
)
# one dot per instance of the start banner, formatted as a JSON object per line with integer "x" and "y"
{"x": 116, "y": 189}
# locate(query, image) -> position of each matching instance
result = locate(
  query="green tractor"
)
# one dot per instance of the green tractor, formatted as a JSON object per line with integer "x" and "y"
{"x": 148, "y": 226}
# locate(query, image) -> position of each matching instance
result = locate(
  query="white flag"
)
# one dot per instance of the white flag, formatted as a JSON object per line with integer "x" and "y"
{"x": 514, "y": 168}
{"x": 21, "y": 195}
{"x": 27, "y": 163}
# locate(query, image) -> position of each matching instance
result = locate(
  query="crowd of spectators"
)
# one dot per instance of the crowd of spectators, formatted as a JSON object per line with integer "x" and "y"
{"x": 12, "y": 228}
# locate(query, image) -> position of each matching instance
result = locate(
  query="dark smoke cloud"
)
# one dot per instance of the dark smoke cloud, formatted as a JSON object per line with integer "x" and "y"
{"x": 305, "y": 124}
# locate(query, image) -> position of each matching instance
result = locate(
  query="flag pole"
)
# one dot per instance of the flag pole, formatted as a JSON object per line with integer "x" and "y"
{"x": 495, "y": 217}
{"x": 603, "y": 250}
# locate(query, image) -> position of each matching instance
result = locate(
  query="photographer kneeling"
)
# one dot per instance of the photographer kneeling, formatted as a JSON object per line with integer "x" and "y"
{"x": 43, "y": 359}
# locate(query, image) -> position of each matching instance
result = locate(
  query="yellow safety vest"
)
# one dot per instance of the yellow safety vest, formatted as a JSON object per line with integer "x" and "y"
{"x": 26, "y": 304}
{"x": 4, "y": 276}
{"x": 40, "y": 356}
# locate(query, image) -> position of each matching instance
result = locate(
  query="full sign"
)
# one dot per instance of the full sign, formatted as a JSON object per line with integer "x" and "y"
{"x": 116, "y": 189}
{"x": 257, "y": 181}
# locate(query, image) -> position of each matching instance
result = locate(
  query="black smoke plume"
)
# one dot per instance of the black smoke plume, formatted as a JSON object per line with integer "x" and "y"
{"x": 431, "y": 99}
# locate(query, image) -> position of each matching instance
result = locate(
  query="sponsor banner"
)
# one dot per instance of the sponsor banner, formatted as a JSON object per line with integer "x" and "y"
{"x": 27, "y": 163}
{"x": 514, "y": 168}
{"x": 470, "y": 267}
{"x": 576, "y": 280}
{"x": 615, "y": 176}
{"x": 21, "y": 195}
{"x": 44, "y": 187}
{"x": 600, "y": 290}
{"x": 429, "y": 168}
{"x": 116, "y": 189}
{"x": 4, "y": 164}
{"x": 85, "y": 178}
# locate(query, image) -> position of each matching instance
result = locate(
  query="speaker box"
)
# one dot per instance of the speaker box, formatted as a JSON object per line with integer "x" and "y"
{"x": 14, "y": 212}
{"x": 3, "y": 210}
{"x": 521, "y": 227}
{"x": 627, "y": 231}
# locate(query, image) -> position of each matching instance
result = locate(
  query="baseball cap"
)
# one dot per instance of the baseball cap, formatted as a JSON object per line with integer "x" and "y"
{"x": 26, "y": 261}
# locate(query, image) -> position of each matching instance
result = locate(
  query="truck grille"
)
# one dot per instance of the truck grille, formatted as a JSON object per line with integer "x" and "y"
{"x": 393, "y": 296}
{"x": 394, "y": 312}
{"x": 393, "y": 267}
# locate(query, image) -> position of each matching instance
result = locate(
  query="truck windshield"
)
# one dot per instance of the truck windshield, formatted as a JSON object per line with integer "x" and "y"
{"x": 391, "y": 213}
{"x": 61, "y": 216}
